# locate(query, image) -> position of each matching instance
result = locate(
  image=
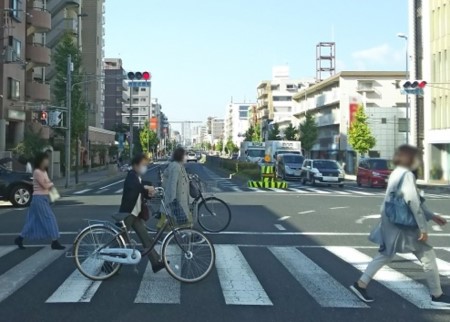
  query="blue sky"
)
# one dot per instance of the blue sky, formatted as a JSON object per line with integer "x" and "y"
{"x": 203, "y": 52}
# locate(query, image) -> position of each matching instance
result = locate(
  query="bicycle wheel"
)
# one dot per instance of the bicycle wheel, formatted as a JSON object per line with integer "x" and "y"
{"x": 213, "y": 214}
{"x": 188, "y": 255}
{"x": 85, "y": 252}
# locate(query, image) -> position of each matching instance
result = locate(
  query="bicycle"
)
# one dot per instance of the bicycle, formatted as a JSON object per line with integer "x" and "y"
{"x": 181, "y": 251}
{"x": 211, "y": 213}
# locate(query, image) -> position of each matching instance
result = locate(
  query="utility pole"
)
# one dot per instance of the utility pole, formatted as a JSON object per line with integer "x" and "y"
{"x": 69, "y": 116}
{"x": 131, "y": 121}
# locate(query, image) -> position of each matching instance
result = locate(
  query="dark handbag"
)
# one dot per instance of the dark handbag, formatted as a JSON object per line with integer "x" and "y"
{"x": 178, "y": 212}
{"x": 144, "y": 213}
{"x": 397, "y": 210}
{"x": 194, "y": 188}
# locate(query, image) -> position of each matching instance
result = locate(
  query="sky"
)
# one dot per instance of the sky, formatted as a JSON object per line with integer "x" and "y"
{"x": 203, "y": 53}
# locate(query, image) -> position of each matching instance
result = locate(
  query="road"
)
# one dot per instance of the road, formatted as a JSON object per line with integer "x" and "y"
{"x": 288, "y": 255}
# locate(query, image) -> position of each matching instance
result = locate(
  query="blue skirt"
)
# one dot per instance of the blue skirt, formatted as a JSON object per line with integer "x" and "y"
{"x": 41, "y": 221}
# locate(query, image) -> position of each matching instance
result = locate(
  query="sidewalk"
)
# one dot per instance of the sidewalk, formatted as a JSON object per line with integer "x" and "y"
{"x": 435, "y": 187}
{"x": 95, "y": 176}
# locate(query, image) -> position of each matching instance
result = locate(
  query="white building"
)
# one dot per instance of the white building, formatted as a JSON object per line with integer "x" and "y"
{"x": 334, "y": 101}
{"x": 275, "y": 102}
{"x": 236, "y": 122}
{"x": 138, "y": 98}
{"x": 199, "y": 134}
{"x": 217, "y": 129}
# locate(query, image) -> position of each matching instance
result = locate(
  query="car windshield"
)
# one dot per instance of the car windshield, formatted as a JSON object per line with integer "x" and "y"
{"x": 256, "y": 153}
{"x": 326, "y": 164}
{"x": 293, "y": 159}
{"x": 286, "y": 152}
{"x": 380, "y": 164}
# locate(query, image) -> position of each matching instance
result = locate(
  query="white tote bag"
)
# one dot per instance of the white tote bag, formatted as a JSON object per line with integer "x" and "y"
{"x": 53, "y": 194}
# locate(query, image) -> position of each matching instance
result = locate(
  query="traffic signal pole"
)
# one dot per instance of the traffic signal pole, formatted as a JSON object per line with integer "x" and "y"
{"x": 408, "y": 121}
{"x": 69, "y": 117}
{"x": 131, "y": 123}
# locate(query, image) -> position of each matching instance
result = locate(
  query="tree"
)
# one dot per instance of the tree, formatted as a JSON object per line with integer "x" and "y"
{"x": 290, "y": 133}
{"x": 274, "y": 133}
{"x": 257, "y": 134}
{"x": 208, "y": 146}
{"x": 148, "y": 138}
{"x": 230, "y": 147}
{"x": 219, "y": 145}
{"x": 249, "y": 133}
{"x": 308, "y": 132}
{"x": 32, "y": 144}
{"x": 360, "y": 137}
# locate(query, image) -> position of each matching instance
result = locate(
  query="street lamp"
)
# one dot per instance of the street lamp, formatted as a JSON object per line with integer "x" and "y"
{"x": 405, "y": 37}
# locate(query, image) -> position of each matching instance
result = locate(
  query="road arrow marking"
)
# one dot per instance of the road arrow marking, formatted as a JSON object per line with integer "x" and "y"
{"x": 363, "y": 218}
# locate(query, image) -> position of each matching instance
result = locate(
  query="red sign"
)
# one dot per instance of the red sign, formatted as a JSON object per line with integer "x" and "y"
{"x": 353, "y": 109}
{"x": 154, "y": 123}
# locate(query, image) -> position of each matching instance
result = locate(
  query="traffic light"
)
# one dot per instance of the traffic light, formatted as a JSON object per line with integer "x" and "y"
{"x": 43, "y": 118}
{"x": 414, "y": 87}
{"x": 139, "y": 76}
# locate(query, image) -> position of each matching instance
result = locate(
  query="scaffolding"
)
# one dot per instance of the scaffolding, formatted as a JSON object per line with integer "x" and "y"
{"x": 325, "y": 60}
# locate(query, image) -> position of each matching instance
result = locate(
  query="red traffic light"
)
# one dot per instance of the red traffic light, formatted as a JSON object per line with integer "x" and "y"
{"x": 146, "y": 75}
{"x": 414, "y": 84}
{"x": 422, "y": 84}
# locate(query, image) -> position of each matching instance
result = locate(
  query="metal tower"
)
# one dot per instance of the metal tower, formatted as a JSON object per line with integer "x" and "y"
{"x": 325, "y": 60}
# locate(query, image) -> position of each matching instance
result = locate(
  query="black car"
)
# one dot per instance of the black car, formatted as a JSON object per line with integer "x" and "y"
{"x": 16, "y": 187}
{"x": 322, "y": 171}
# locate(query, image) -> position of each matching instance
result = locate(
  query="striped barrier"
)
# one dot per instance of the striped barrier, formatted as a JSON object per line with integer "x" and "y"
{"x": 267, "y": 171}
{"x": 268, "y": 184}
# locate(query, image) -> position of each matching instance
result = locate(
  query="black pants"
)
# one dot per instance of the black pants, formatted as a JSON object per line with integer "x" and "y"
{"x": 139, "y": 227}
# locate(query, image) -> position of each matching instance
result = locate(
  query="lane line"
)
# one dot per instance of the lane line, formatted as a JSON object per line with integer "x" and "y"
{"x": 443, "y": 266}
{"x": 23, "y": 272}
{"x": 364, "y": 193}
{"x": 159, "y": 288}
{"x": 284, "y": 218}
{"x": 4, "y": 250}
{"x": 77, "y": 288}
{"x": 336, "y": 208}
{"x": 119, "y": 191}
{"x": 279, "y": 227}
{"x": 436, "y": 228}
{"x": 82, "y": 191}
{"x": 112, "y": 184}
{"x": 306, "y": 212}
{"x": 404, "y": 286}
{"x": 318, "y": 283}
{"x": 240, "y": 286}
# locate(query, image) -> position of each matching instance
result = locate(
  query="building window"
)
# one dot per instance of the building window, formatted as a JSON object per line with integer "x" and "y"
{"x": 16, "y": 48}
{"x": 383, "y": 120}
{"x": 143, "y": 99}
{"x": 13, "y": 89}
{"x": 282, "y": 98}
{"x": 16, "y": 9}
{"x": 143, "y": 89}
{"x": 135, "y": 100}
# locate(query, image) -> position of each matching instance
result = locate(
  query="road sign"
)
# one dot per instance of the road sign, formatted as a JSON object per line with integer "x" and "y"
{"x": 412, "y": 91}
{"x": 55, "y": 118}
{"x": 121, "y": 141}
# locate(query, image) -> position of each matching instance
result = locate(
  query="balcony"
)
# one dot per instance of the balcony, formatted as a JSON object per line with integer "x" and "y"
{"x": 39, "y": 19}
{"x": 37, "y": 91}
{"x": 59, "y": 29}
{"x": 55, "y": 6}
{"x": 39, "y": 55}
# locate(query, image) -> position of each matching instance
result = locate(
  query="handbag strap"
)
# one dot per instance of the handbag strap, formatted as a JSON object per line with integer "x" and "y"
{"x": 400, "y": 183}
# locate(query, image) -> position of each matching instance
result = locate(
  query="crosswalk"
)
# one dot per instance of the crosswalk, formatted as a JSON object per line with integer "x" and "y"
{"x": 236, "y": 277}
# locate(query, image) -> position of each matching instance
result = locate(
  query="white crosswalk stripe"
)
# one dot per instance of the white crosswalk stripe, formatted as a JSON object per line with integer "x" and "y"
{"x": 238, "y": 281}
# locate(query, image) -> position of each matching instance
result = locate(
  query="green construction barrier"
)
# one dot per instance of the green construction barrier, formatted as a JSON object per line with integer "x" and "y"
{"x": 268, "y": 184}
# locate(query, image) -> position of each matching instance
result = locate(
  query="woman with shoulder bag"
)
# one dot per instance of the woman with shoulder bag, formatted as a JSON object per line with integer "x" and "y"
{"x": 409, "y": 237}
{"x": 41, "y": 221}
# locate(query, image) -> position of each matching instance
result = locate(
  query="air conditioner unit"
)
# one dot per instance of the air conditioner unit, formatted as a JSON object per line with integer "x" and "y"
{"x": 10, "y": 55}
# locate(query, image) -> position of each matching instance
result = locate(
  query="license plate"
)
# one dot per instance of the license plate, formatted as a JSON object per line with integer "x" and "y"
{"x": 296, "y": 173}
{"x": 330, "y": 179}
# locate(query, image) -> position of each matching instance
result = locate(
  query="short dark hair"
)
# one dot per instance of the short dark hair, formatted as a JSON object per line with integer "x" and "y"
{"x": 138, "y": 158}
{"x": 39, "y": 158}
{"x": 178, "y": 154}
{"x": 405, "y": 155}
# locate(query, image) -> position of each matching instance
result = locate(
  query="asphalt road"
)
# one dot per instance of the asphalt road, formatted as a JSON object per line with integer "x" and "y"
{"x": 288, "y": 255}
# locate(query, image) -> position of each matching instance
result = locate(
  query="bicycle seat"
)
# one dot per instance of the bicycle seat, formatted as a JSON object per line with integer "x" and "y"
{"x": 120, "y": 216}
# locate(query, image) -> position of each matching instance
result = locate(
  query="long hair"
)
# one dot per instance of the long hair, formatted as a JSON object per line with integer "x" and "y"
{"x": 39, "y": 158}
{"x": 404, "y": 155}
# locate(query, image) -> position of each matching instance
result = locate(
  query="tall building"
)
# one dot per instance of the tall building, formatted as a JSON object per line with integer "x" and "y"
{"x": 236, "y": 122}
{"x": 22, "y": 69}
{"x": 217, "y": 129}
{"x": 429, "y": 43}
{"x": 115, "y": 86}
{"x": 275, "y": 103}
{"x": 335, "y": 100}
{"x": 138, "y": 96}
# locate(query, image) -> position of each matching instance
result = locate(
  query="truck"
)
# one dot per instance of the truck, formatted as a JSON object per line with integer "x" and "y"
{"x": 274, "y": 148}
{"x": 252, "y": 151}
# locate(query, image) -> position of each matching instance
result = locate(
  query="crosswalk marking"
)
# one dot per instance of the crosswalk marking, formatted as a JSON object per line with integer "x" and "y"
{"x": 317, "y": 191}
{"x": 20, "y": 274}
{"x": 240, "y": 286}
{"x": 298, "y": 190}
{"x": 443, "y": 266}
{"x": 76, "y": 288}
{"x": 364, "y": 193}
{"x": 399, "y": 283}
{"x": 119, "y": 191}
{"x": 342, "y": 192}
{"x": 311, "y": 277}
{"x": 4, "y": 250}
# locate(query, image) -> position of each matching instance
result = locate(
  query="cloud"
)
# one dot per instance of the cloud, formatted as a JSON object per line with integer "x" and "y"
{"x": 376, "y": 57}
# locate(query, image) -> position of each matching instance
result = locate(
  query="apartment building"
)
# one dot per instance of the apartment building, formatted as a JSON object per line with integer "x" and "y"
{"x": 115, "y": 86}
{"x": 236, "y": 122}
{"x": 275, "y": 103}
{"x": 22, "y": 69}
{"x": 334, "y": 101}
{"x": 84, "y": 19}
{"x": 429, "y": 45}
{"x": 138, "y": 98}
{"x": 217, "y": 129}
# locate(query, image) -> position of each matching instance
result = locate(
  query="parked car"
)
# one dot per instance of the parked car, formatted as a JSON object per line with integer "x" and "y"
{"x": 320, "y": 171}
{"x": 191, "y": 157}
{"x": 373, "y": 172}
{"x": 199, "y": 155}
{"x": 16, "y": 187}
{"x": 289, "y": 166}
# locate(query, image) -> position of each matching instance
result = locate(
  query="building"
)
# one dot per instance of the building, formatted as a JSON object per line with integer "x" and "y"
{"x": 253, "y": 115}
{"x": 217, "y": 129}
{"x": 115, "y": 86}
{"x": 84, "y": 19}
{"x": 138, "y": 97}
{"x": 200, "y": 135}
{"x": 275, "y": 103}
{"x": 236, "y": 122}
{"x": 156, "y": 117}
{"x": 334, "y": 101}
{"x": 429, "y": 47}
{"x": 22, "y": 70}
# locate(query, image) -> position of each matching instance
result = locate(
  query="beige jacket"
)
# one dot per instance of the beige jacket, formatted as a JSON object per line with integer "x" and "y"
{"x": 176, "y": 185}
